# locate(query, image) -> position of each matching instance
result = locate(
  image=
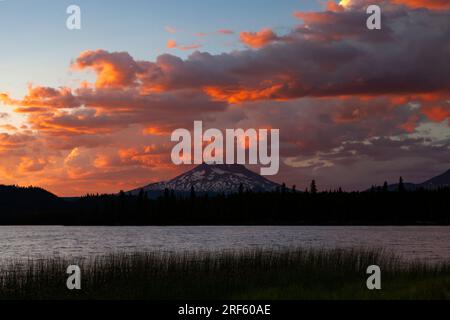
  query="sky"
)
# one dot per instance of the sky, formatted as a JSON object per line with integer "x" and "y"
{"x": 92, "y": 110}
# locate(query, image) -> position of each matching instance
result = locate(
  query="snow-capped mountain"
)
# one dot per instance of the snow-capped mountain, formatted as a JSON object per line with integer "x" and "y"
{"x": 214, "y": 178}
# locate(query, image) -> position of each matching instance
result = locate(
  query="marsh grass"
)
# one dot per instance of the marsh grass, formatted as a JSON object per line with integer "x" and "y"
{"x": 250, "y": 274}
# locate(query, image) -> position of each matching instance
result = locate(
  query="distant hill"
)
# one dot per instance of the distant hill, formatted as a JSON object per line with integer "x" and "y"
{"x": 14, "y": 195}
{"x": 408, "y": 186}
{"x": 213, "y": 179}
{"x": 17, "y": 203}
{"x": 440, "y": 181}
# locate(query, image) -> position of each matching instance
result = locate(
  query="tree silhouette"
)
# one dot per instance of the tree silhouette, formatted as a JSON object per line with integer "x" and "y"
{"x": 166, "y": 193}
{"x": 385, "y": 187}
{"x": 331, "y": 207}
{"x": 313, "y": 187}
{"x": 401, "y": 185}
{"x": 140, "y": 195}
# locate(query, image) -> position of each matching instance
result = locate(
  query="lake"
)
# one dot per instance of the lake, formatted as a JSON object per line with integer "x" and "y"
{"x": 430, "y": 244}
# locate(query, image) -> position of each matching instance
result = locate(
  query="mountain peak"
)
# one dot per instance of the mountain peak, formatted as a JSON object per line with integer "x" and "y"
{"x": 215, "y": 178}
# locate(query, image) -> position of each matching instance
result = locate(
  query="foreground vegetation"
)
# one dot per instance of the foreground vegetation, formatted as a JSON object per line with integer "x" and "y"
{"x": 290, "y": 274}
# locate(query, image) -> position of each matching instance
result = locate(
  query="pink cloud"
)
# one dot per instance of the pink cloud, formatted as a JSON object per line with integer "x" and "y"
{"x": 225, "y": 31}
{"x": 171, "y": 29}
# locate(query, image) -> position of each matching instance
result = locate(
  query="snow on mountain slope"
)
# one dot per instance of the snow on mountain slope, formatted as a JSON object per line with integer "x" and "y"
{"x": 215, "y": 178}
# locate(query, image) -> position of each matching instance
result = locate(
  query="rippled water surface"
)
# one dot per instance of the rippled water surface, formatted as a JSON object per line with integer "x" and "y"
{"x": 430, "y": 244}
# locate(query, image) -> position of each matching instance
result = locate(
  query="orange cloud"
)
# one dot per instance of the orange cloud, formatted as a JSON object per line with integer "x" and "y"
{"x": 8, "y": 127}
{"x": 258, "y": 39}
{"x": 30, "y": 164}
{"x": 411, "y": 124}
{"x": 171, "y": 44}
{"x": 333, "y": 6}
{"x": 311, "y": 18}
{"x": 430, "y": 4}
{"x": 437, "y": 113}
{"x": 4, "y": 97}
{"x": 160, "y": 130}
{"x": 12, "y": 142}
{"x": 39, "y": 99}
{"x": 148, "y": 156}
{"x": 239, "y": 95}
{"x": 117, "y": 69}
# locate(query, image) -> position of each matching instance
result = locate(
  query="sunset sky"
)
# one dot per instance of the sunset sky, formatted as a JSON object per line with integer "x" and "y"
{"x": 92, "y": 110}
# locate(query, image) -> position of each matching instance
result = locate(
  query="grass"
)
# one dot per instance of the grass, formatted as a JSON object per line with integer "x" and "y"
{"x": 259, "y": 274}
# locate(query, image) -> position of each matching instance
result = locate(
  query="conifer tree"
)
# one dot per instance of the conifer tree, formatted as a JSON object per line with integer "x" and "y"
{"x": 401, "y": 185}
{"x": 313, "y": 187}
